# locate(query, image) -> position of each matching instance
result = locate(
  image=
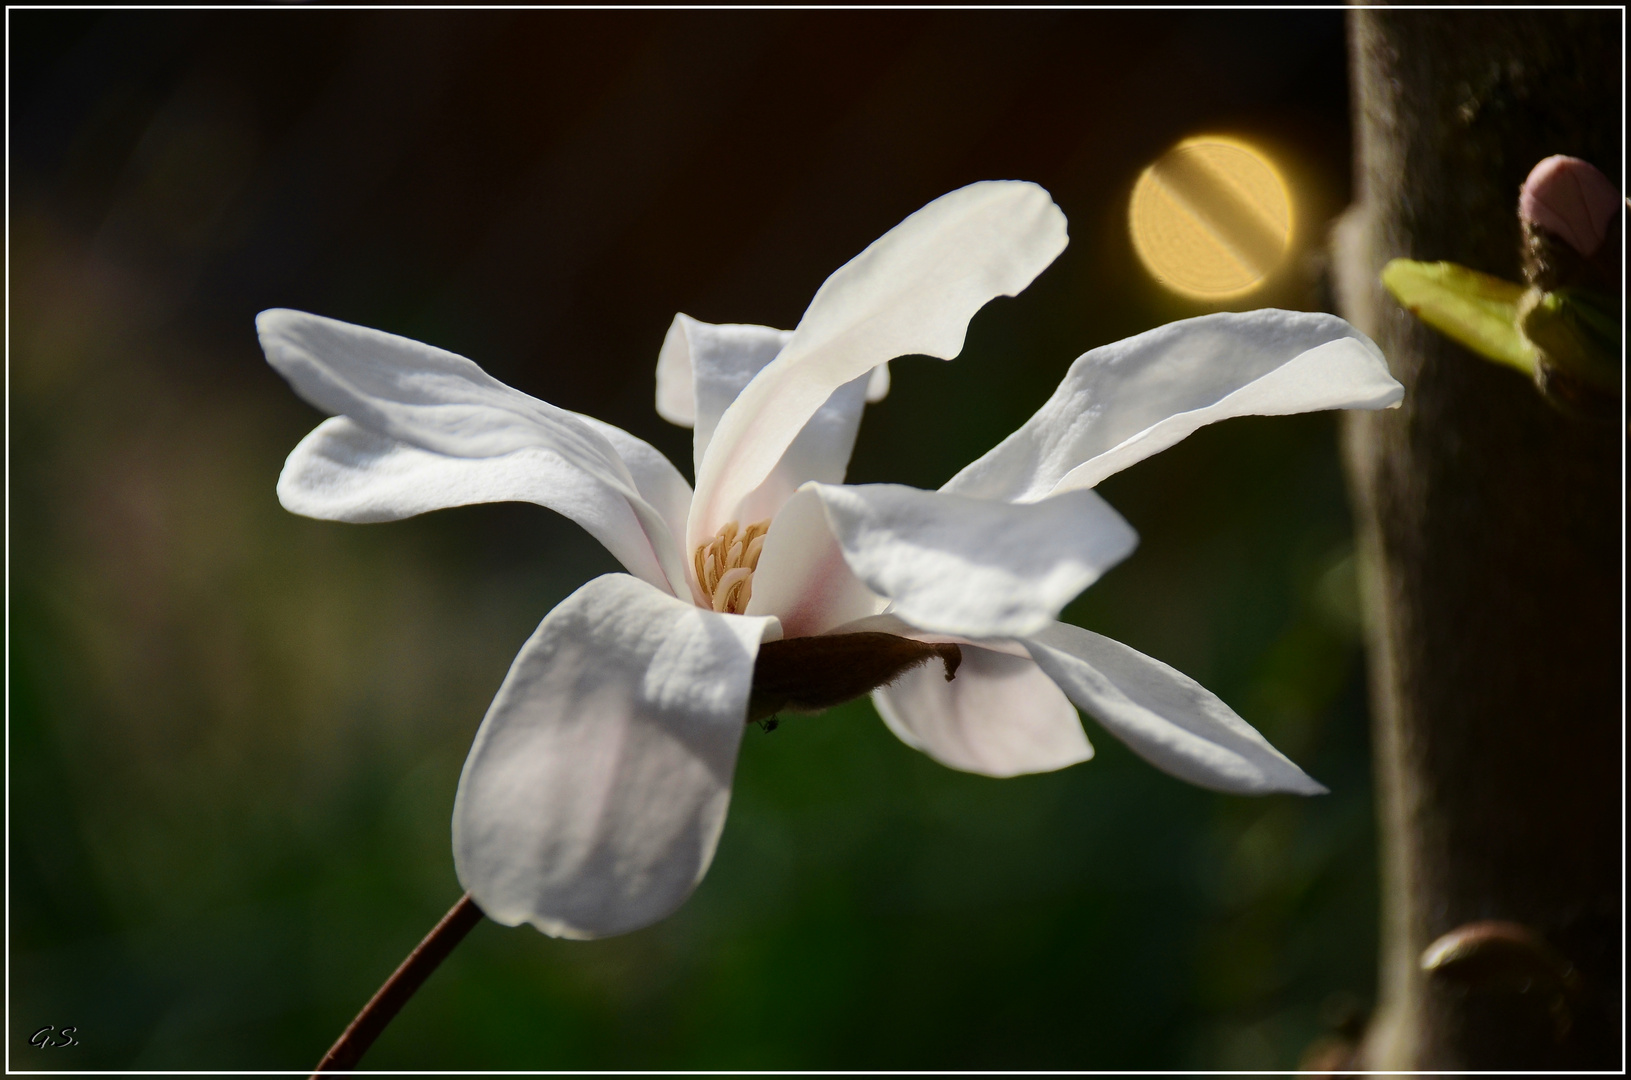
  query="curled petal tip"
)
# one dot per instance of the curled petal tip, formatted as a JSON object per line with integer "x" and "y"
{"x": 1571, "y": 198}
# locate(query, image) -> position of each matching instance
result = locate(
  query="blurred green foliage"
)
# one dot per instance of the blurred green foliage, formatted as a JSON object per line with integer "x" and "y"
{"x": 235, "y": 734}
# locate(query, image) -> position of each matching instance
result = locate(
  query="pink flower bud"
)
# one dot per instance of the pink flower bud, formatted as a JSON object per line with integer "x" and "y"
{"x": 1571, "y": 198}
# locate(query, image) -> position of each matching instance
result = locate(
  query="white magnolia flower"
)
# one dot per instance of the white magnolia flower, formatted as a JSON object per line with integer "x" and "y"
{"x": 596, "y": 789}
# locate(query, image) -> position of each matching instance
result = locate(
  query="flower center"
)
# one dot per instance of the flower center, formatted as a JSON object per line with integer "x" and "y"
{"x": 725, "y": 565}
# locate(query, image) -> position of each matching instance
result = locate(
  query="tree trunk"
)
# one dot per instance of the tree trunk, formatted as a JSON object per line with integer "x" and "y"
{"x": 1491, "y": 538}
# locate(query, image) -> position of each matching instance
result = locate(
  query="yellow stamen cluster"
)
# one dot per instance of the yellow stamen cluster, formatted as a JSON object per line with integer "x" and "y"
{"x": 725, "y": 565}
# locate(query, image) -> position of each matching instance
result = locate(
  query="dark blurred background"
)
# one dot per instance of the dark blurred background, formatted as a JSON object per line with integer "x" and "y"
{"x": 235, "y": 733}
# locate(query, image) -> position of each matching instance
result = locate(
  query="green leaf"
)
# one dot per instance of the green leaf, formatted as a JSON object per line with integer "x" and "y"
{"x": 1474, "y": 309}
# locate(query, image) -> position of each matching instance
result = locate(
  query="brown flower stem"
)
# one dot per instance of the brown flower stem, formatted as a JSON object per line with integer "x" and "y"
{"x": 409, "y": 976}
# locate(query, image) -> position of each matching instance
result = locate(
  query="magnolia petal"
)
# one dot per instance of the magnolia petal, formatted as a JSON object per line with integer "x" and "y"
{"x": 1164, "y": 716}
{"x": 416, "y": 393}
{"x": 437, "y": 401}
{"x": 655, "y": 478}
{"x": 719, "y": 361}
{"x": 913, "y": 290}
{"x": 877, "y": 384}
{"x": 802, "y": 578}
{"x": 975, "y": 567}
{"x": 1000, "y": 716}
{"x": 820, "y": 453}
{"x": 702, "y": 367}
{"x": 676, "y": 397}
{"x": 596, "y": 790}
{"x": 344, "y": 472}
{"x": 1120, "y": 403}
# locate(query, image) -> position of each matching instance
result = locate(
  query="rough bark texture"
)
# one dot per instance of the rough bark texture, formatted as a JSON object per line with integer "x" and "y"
{"x": 1491, "y": 528}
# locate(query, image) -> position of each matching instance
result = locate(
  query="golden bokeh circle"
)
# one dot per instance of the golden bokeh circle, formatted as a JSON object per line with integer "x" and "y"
{"x": 1211, "y": 218}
